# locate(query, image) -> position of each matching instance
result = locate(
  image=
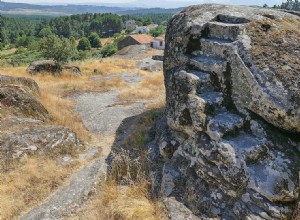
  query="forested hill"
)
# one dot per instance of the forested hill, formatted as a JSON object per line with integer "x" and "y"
{"x": 14, "y": 8}
{"x": 105, "y": 25}
{"x": 19, "y": 31}
{"x": 57, "y": 10}
{"x": 11, "y": 29}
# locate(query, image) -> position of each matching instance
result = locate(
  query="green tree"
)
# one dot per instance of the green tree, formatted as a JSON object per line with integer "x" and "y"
{"x": 109, "y": 49}
{"x": 84, "y": 44}
{"x": 56, "y": 48}
{"x": 95, "y": 40}
{"x": 45, "y": 32}
{"x": 159, "y": 30}
{"x": 147, "y": 21}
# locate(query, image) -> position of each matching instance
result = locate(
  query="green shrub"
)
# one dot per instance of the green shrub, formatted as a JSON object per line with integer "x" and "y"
{"x": 109, "y": 49}
{"x": 95, "y": 40}
{"x": 84, "y": 44}
{"x": 56, "y": 48}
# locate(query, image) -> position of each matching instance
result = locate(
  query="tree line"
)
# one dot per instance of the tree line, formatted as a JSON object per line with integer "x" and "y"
{"x": 288, "y": 5}
{"x": 25, "y": 32}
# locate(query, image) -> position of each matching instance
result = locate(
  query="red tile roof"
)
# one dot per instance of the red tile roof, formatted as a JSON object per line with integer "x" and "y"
{"x": 142, "y": 38}
{"x": 160, "y": 38}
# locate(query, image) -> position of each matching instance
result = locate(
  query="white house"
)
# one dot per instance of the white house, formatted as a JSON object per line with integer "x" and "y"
{"x": 141, "y": 30}
{"x": 130, "y": 25}
{"x": 158, "y": 43}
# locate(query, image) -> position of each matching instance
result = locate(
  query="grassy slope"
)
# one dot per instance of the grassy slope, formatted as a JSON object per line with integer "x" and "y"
{"x": 35, "y": 178}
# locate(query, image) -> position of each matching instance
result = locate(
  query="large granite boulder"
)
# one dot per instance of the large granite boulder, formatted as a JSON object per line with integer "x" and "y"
{"x": 25, "y": 127}
{"x": 18, "y": 96}
{"x": 52, "y": 67}
{"x": 150, "y": 65}
{"x": 232, "y": 115}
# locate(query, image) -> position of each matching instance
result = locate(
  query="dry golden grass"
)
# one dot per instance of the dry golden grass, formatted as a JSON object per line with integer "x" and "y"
{"x": 54, "y": 89}
{"x": 150, "y": 88}
{"x": 8, "y": 52}
{"x": 28, "y": 185}
{"x": 107, "y": 66}
{"x": 115, "y": 202}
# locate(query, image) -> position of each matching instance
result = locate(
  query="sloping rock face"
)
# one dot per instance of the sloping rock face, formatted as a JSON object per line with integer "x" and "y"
{"x": 232, "y": 140}
{"x": 24, "y": 124}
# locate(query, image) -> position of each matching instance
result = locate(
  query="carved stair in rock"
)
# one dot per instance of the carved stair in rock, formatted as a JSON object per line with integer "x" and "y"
{"x": 224, "y": 123}
{"x": 209, "y": 63}
{"x": 226, "y": 31}
{"x": 215, "y": 46}
{"x": 220, "y": 124}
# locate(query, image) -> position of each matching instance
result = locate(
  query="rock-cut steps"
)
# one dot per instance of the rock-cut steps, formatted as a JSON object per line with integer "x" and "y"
{"x": 226, "y": 115}
{"x": 219, "y": 122}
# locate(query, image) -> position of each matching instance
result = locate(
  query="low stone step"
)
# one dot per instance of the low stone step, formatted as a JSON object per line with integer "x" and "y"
{"x": 191, "y": 80}
{"x": 224, "y": 30}
{"x": 209, "y": 64}
{"x": 216, "y": 47}
{"x": 222, "y": 124}
{"x": 248, "y": 146}
{"x": 202, "y": 78}
{"x": 211, "y": 100}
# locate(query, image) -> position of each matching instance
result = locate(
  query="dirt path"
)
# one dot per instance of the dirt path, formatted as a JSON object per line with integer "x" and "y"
{"x": 102, "y": 113}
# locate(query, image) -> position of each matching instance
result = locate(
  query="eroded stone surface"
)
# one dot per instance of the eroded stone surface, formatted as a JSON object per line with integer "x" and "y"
{"x": 25, "y": 123}
{"x": 234, "y": 160}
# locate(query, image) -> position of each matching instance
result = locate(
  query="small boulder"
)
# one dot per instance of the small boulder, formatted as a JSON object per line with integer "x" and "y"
{"x": 21, "y": 103}
{"x": 75, "y": 70}
{"x": 52, "y": 67}
{"x": 150, "y": 65}
{"x": 41, "y": 66}
{"x": 28, "y": 84}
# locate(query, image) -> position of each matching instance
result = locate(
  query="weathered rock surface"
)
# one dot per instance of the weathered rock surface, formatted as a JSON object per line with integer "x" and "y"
{"x": 17, "y": 95}
{"x": 24, "y": 123}
{"x": 231, "y": 142}
{"x": 151, "y": 65}
{"x": 50, "y": 66}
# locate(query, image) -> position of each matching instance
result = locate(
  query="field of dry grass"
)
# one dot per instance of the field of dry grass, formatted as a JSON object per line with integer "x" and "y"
{"x": 114, "y": 202}
{"x": 34, "y": 179}
{"x": 29, "y": 184}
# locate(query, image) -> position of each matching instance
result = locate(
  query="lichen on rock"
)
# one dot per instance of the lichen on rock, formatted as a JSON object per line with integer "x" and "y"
{"x": 234, "y": 117}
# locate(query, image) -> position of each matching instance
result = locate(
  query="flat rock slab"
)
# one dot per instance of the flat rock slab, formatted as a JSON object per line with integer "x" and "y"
{"x": 104, "y": 112}
{"x": 68, "y": 199}
{"x": 131, "y": 78}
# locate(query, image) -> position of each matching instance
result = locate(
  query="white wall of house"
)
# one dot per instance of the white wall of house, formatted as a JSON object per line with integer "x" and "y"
{"x": 157, "y": 44}
{"x": 141, "y": 30}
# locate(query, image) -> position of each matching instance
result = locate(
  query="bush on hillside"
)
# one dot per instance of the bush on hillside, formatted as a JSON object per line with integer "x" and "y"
{"x": 159, "y": 30}
{"x": 84, "y": 44}
{"x": 95, "y": 40}
{"x": 56, "y": 48}
{"x": 109, "y": 49}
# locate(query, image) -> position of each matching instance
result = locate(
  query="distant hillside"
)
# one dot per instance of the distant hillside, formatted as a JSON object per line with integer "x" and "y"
{"x": 58, "y": 10}
{"x": 151, "y": 11}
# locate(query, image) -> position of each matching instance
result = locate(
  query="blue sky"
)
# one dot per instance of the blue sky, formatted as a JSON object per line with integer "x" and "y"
{"x": 151, "y": 3}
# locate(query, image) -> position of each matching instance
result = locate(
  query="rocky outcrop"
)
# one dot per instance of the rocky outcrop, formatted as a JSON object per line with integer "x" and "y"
{"x": 17, "y": 95}
{"x": 231, "y": 143}
{"x": 25, "y": 124}
{"x": 52, "y": 67}
{"x": 150, "y": 64}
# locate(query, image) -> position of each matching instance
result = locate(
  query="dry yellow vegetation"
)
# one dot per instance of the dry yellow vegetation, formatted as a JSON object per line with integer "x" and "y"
{"x": 37, "y": 177}
{"x": 114, "y": 202}
{"x": 29, "y": 183}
